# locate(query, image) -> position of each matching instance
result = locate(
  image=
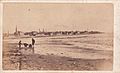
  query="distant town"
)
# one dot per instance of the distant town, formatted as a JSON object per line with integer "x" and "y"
{"x": 39, "y": 33}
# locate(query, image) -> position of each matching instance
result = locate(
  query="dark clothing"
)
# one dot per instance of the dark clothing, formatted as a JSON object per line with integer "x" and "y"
{"x": 30, "y": 45}
{"x": 33, "y": 41}
{"x": 25, "y": 44}
{"x": 20, "y": 44}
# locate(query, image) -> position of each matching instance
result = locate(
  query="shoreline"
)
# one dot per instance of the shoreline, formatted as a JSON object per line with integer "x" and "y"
{"x": 53, "y": 62}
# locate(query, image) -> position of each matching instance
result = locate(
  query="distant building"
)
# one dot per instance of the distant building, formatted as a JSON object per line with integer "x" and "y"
{"x": 32, "y": 33}
{"x": 39, "y": 31}
{"x": 17, "y": 33}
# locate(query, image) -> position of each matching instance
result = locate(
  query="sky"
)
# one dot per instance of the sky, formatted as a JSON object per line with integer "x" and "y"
{"x": 58, "y": 17}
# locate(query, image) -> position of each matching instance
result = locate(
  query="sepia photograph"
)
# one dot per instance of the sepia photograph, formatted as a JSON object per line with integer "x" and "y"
{"x": 58, "y": 36}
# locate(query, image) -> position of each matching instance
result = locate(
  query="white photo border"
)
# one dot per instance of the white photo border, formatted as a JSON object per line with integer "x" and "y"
{"x": 116, "y": 62}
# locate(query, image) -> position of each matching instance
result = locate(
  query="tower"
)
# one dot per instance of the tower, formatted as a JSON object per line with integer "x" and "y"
{"x": 43, "y": 29}
{"x": 8, "y": 33}
{"x": 16, "y": 29}
{"x": 39, "y": 31}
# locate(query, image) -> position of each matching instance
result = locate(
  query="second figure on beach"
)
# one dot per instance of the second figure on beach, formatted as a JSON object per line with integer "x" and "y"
{"x": 33, "y": 42}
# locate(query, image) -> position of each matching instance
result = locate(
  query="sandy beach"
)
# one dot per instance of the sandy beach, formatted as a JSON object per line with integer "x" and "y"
{"x": 58, "y": 59}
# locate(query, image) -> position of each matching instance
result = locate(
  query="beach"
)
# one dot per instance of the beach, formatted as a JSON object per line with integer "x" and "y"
{"x": 80, "y": 53}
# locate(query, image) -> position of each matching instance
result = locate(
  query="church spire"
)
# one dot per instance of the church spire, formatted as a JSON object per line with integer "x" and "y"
{"x": 39, "y": 31}
{"x": 16, "y": 29}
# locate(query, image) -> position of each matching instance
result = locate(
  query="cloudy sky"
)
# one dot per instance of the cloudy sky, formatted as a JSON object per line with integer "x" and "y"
{"x": 58, "y": 16}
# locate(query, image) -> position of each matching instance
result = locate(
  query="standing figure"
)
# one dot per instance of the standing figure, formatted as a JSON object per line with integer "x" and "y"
{"x": 33, "y": 42}
{"x": 19, "y": 44}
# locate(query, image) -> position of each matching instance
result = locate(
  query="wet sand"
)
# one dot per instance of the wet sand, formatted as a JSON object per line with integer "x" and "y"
{"x": 52, "y": 61}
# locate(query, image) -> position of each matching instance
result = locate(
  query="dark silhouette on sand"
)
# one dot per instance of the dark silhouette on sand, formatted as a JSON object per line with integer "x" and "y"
{"x": 20, "y": 44}
{"x": 33, "y": 42}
